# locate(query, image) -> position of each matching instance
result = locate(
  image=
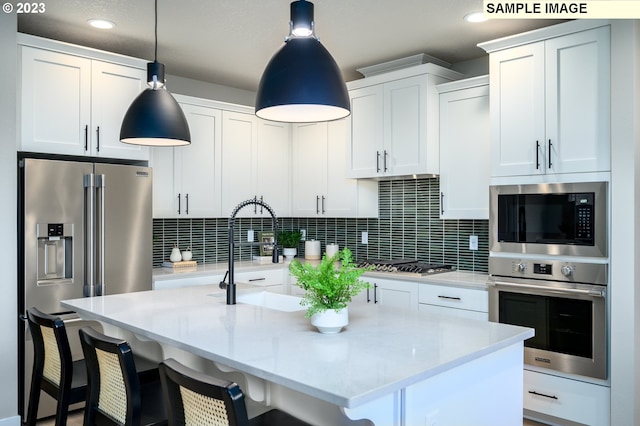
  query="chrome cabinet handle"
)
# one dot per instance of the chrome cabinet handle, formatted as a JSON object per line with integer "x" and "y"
{"x": 323, "y": 211}
{"x": 178, "y": 203}
{"x": 98, "y": 139}
{"x": 550, "y": 145}
{"x": 537, "y": 155}
{"x": 542, "y": 394}
{"x": 186, "y": 197}
{"x": 377, "y": 161}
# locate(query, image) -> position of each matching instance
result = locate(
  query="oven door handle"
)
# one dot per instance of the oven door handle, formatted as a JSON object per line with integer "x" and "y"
{"x": 594, "y": 293}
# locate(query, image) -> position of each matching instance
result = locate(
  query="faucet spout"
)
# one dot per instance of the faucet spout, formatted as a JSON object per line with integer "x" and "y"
{"x": 231, "y": 285}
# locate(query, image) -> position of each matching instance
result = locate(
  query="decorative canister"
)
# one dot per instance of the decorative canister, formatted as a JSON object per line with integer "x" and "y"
{"x": 312, "y": 250}
{"x": 331, "y": 249}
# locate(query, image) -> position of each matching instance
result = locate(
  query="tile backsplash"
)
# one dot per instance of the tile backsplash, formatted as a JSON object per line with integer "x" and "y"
{"x": 408, "y": 226}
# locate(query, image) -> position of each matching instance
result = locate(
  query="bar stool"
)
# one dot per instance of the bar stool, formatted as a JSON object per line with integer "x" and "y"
{"x": 54, "y": 370}
{"x": 193, "y": 398}
{"x": 115, "y": 394}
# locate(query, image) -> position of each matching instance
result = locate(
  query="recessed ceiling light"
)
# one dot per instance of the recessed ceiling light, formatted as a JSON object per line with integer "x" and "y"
{"x": 475, "y": 17}
{"x": 103, "y": 24}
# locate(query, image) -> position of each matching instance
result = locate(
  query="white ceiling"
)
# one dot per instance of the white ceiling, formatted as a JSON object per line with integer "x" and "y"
{"x": 229, "y": 42}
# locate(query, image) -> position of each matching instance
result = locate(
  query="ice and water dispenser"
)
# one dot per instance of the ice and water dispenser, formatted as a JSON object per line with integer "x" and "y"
{"x": 55, "y": 253}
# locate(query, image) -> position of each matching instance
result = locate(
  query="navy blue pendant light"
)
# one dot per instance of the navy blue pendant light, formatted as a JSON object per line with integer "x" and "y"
{"x": 302, "y": 83}
{"x": 154, "y": 117}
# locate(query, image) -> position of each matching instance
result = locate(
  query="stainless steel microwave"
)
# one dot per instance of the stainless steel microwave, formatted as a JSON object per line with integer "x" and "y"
{"x": 567, "y": 219}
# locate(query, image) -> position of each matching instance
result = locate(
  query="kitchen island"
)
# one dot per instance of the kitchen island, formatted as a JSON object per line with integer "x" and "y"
{"x": 388, "y": 367}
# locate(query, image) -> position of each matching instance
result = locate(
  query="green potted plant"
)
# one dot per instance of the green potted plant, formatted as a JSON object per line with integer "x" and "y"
{"x": 290, "y": 240}
{"x": 329, "y": 289}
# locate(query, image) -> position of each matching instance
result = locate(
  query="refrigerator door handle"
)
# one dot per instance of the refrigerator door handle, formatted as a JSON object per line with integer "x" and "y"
{"x": 89, "y": 235}
{"x": 100, "y": 188}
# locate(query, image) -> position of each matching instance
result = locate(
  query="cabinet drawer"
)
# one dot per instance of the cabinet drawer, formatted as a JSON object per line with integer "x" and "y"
{"x": 160, "y": 284}
{"x": 454, "y": 297}
{"x": 458, "y": 313}
{"x": 264, "y": 278}
{"x": 566, "y": 399}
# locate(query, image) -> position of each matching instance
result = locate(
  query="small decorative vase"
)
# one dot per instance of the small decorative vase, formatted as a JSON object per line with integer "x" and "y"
{"x": 289, "y": 253}
{"x": 175, "y": 255}
{"x": 187, "y": 255}
{"x": 331, "y": 321}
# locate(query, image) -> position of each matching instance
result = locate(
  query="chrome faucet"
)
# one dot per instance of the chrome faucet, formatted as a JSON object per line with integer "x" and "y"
{"x": 231, "y": 285}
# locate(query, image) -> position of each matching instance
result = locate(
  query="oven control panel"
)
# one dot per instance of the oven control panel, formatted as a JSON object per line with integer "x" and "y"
{"x": 549, "y": 269}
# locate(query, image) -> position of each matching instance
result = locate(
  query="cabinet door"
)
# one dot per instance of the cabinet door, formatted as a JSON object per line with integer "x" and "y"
{"x": 340, "y": 194}
{"x": 405, "y": 133}
{"x": 114, "y": 87}
{"x": 577, "y": 102}
{"x": 464, "y": 153}
{"x": 165, "y": 190}
{"x": 365, "y": 154}
{"x": 55, "y": 102}
{"x": 517, "y": 111}
{"x": 309, "y": 168}
{"x": 273, "y": 170}
{"x": 399, "y": 294}
{"x": 197, "y": 164}
{"x": 239, "y": 136}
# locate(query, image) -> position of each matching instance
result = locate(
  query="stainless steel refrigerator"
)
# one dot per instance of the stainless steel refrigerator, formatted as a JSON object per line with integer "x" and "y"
{"x": 85, "y": 230}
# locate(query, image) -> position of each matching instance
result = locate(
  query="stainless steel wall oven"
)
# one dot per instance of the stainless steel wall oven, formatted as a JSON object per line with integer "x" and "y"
{"x": 564, "y": 301}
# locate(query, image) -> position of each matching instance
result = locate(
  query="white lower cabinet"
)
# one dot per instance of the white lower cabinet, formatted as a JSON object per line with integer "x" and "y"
{"x": 566, "y": 399}
{"x": 398, "y": 294}
{"x": 457, "y": 301}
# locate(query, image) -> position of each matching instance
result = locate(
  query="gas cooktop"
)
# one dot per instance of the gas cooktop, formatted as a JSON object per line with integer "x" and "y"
{"x": 411, "y": 267}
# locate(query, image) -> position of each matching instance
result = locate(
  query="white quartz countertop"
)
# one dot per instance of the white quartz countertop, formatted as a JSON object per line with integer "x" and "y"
{"x": 381, "y": 351}
{"x": 476, "y": 280}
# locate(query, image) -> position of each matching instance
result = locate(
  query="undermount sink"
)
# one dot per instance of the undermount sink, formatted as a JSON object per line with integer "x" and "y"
{"x": 276, "y": 301}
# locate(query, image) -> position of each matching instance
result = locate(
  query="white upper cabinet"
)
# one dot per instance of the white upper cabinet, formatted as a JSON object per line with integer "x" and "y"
{"x": 74, "y": 105}
{"x": 255, "y": 164}
{"x": 319, "y": 186}
{"x": 186, "y": 179}
{"x": 394, "y": 123}
{"x": 550, "y": 105}
{"x": 464, "y": 149}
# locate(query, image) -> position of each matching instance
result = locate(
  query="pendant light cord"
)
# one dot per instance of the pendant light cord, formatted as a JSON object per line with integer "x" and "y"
{"x": 155, "y": 53}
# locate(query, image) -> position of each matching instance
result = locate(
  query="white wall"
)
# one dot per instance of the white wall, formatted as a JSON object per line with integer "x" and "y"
{"x": 8, "y": 190}
{"x": 625, "y": 223}
{"x": 216, "y": 92}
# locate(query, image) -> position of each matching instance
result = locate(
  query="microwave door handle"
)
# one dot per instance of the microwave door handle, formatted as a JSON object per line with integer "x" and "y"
{"x": 594, "y": 293}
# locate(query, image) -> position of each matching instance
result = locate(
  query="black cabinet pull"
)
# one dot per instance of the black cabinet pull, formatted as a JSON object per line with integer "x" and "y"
{"x": 178, "y": 203}
{"x": 542, "y": 394}
{"x": 98, "y": 139}
{"x": 442, "y": 203}
{"x": 186, "y": 197}
{"x": 375, "y": 293}
{"x": 323, "y": 211}
{"x": 384, "y": 161}
{"x": 537, "y": 155}
{"x": 256, "y": 279}
{"x": 377, "y": 161}
{"x": 86, "y": 137}
{"x": 550, "y": 145}
{"x": 368, "y": 298}
{"x": 449, "y": 298}
{"x": 317, "y": 204}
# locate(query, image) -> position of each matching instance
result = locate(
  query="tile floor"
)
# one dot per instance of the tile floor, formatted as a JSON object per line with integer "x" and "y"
{"x": 75, "y": 419}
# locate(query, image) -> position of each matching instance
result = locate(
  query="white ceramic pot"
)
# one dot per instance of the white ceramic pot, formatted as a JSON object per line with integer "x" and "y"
{"x": 289, "y": 253}
{"x": 176, "y": 256}
{"x": 331, "y": 321}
